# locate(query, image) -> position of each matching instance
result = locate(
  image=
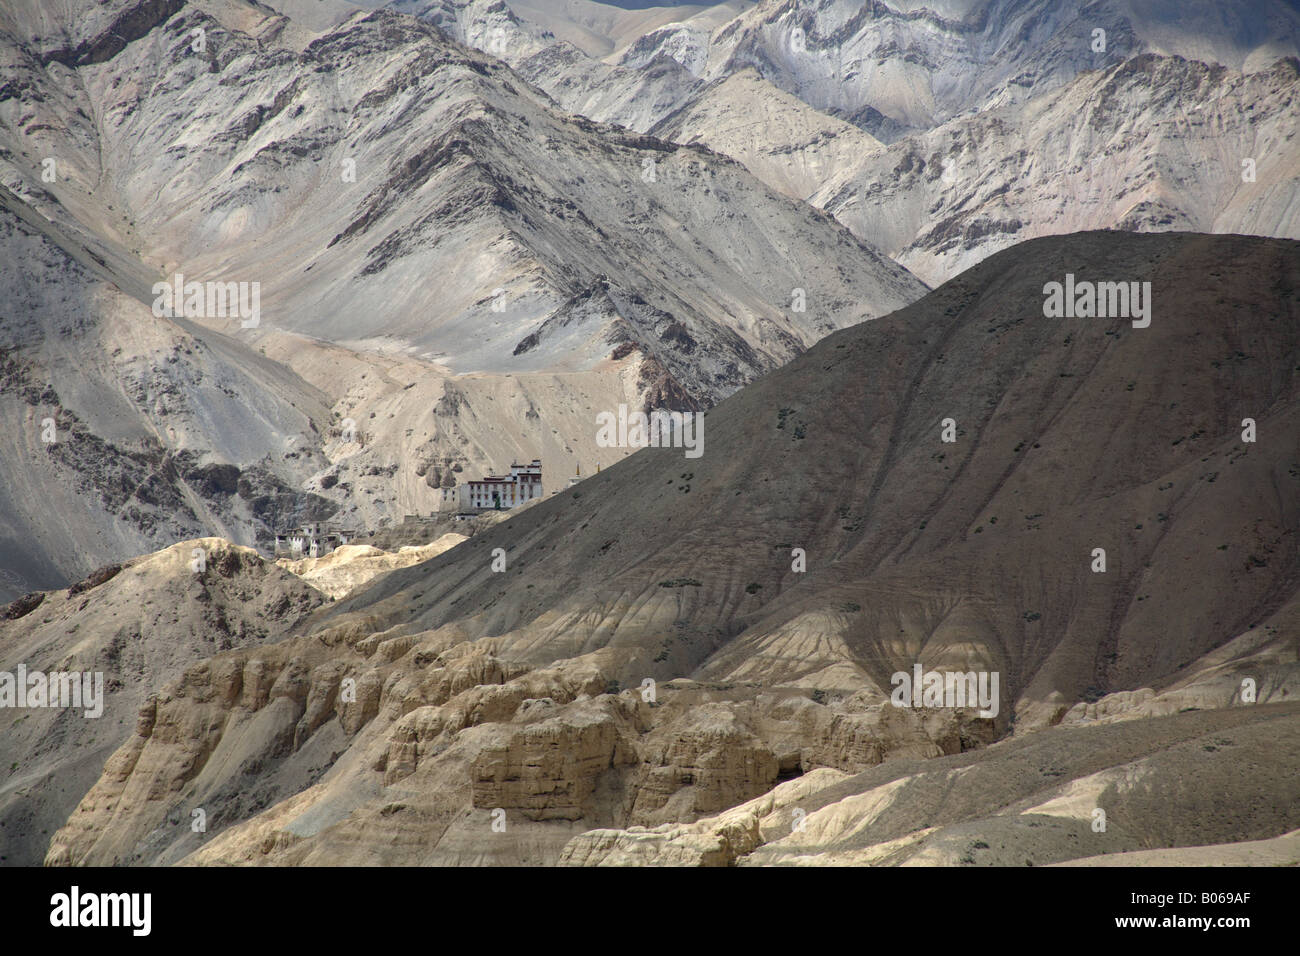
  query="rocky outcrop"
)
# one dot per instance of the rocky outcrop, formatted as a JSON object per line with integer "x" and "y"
{"x": 133, "y": 21}
{"x": 703, "y": 763}
{"x": 550, "y": 770}
{"x": 714, "y": 841}
{"x": 1032, "y": 801}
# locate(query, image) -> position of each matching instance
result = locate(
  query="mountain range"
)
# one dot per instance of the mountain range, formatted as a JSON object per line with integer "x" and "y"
{"x": 997, "y": 114}
{"x": 655, "y": 656}
{"x": 451, "y": 273}
{"x": 985, "y": 315}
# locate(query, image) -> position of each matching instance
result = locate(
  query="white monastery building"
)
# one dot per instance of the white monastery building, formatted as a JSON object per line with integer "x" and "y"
{"x": 315, "y": 540}
{"x": 496, "y": 492}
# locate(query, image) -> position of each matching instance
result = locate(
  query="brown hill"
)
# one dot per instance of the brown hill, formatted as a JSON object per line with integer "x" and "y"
{"x": 1071, "y": 434}
{"x": 139, "y": 625}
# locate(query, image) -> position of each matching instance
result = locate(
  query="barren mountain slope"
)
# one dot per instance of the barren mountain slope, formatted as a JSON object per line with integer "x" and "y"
{"x": 1004, "y": 123}
{"x": 801, "y": 151}
{"x": 479, "y": 691}
{"x": 139, "y": 625}
{"x": 895, "y": 66}
{"x": 889, "y": 67}
{"x": 600, "y": 30}
{"x": 464, "y": 273}
{"x": 840, "y": 453}
{"x": 348, "y": 567}
{"x": 607, "y": 29}
{"x": 130, "y": 431}
{"x": 1153, "y": 144}
{"x": 462, "y": 175}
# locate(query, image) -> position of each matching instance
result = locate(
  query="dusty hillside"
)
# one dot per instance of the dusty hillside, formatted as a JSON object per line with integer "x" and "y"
{"x": 1025, "y": 802}
{"x": 524, "y": 691}
{"x": 800, "y": 151}
{"x": 1279, "y": 851}
{"x": 132, "y": 430}
{"x": 349, "y": 567}
{"x": 140, "y": 625}
{"x": 979, "y": 548}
